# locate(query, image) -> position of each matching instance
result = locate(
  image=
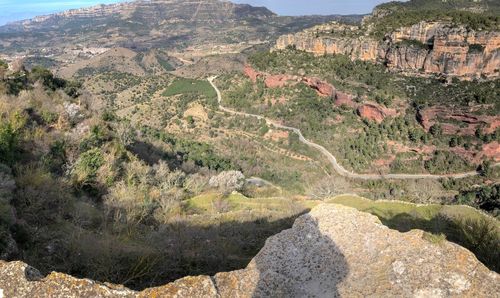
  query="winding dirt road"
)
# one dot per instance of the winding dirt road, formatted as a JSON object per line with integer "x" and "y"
{"x": 338, "y": 168}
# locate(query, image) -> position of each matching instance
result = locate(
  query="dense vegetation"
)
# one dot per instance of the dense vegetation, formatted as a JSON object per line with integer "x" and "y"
{"x": 484, "y": 197}
{"x": 317, "y": 117}
{"x": 96, "y": 197}
{"x": 473, "y": 14}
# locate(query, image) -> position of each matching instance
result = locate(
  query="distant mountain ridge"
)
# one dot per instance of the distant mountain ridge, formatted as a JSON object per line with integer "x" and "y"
{"x": 153, "y": 24}
{"x": 154, "y": 8}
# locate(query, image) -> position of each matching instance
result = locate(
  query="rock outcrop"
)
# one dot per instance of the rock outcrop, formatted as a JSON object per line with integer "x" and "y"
{"x": 426, "y": 47}
{"x": 469, "y": 122}
{"x": 332, "y": 251}
{"x": 372, "y": 113}
{"x": 324, "y": 89}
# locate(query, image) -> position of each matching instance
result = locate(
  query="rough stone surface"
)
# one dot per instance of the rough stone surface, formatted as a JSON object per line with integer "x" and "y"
{"x": 470, "y": 121}
{"x": 372, "y": 113}
{"x": 251, "y": 73}
{"x": 323, "y": 88}
{"x": 279, "y": 81}
{"x": 492, "y": 150}
{"x": 333, "y": 251}
{"x": 445, "y": 48}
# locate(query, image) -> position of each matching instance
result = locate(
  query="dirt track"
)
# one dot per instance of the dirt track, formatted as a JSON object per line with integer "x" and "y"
{"x": 338, "y": 168}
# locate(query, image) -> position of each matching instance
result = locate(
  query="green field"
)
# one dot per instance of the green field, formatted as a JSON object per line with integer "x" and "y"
{"x": 190, "y": 86}
{"x": 210, "y": 202}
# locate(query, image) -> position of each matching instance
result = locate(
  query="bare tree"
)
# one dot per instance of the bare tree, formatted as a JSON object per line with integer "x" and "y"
{"x": 228, "y": 181}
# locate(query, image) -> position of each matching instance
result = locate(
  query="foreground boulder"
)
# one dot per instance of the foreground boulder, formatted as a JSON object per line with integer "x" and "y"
{"x": 332, "y": 251}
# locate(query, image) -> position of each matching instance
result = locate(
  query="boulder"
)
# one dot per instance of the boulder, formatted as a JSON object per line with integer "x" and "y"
{"x": 323, "y": 88}
{"x": 372, "y": 112}
{"x": 333, "y": 251}
{"x": 251, "y": 73}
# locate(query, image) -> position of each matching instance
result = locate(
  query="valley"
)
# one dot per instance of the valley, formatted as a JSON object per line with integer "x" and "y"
{"x": 156, "y": 147}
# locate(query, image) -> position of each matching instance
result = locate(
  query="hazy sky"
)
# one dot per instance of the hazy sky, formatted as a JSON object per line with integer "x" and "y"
{"x": 303, "y": 7}
{"x": 12, "y": 10}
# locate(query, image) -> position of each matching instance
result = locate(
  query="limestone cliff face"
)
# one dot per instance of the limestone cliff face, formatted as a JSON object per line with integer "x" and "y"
{"x": 332, "y": 251}
{"x": 428, "y": 47}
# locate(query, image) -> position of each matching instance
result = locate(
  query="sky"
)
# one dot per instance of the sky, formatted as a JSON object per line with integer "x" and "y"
{"x": 13, "y": 10}
{"x": 321, "y": 7}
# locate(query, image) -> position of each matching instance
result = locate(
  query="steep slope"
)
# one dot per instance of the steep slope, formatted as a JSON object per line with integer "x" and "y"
{"x": 418, "y": 36}
{"x": 427, "y": 47}
{"x": 332, "y": 251}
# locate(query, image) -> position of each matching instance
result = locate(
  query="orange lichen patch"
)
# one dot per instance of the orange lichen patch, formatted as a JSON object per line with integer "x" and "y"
{"x": 492, "y": 150}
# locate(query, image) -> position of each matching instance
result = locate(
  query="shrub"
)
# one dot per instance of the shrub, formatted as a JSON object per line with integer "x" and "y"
{"x": 87, "y": 165}
{"x": 40, "y": 198}
{"x": 8, "y": 143}
{"x": 228, "y": 181}
{"x": 10, "y": 131}
{"x": 476, "y": 48}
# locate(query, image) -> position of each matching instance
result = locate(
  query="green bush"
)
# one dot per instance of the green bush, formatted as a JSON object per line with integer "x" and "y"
{"x": 8, "y": 143}
{"x": 476, "y": 48}
{"x": 87, "y": 166}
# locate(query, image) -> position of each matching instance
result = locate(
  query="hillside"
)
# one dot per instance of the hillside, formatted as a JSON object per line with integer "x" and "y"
{"x": 172, "y": 148}
{"x": 164, "y": 169}
{"x": 453, "y": 38}
{"x": 173, "y": 25}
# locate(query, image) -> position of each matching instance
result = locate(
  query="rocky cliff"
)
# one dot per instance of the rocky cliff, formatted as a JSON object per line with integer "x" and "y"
{"x": 426, "y": 47}
{"x": 332, "y": 251}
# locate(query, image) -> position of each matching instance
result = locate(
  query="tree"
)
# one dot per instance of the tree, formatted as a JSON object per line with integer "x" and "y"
{"x": 436, "y": 130}
{"x": 228, "y": 181}
{"x": 485, "y": 169}
{"x": 3, "y": 69}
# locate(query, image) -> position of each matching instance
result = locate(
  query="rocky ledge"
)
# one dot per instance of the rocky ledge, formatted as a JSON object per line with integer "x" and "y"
{"x": 332, "y": 251}
{"x": 424, "y": 48}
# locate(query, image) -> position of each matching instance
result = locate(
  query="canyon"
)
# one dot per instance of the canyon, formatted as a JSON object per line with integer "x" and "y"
{"x": 424, "y": 48}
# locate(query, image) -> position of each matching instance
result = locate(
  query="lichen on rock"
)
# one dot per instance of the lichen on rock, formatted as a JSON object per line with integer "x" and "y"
{"x": 333, "y": 251}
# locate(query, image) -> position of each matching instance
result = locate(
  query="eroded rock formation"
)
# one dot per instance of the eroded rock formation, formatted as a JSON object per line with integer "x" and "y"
{"x": 469, "y": 121}
{"x": 372, "y": 113}
{"x": 324, "y": 89}
{"x": 426, "y": 47}
{"x": 332, "y": 251}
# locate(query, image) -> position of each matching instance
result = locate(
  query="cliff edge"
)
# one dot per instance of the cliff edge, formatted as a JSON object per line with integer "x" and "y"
{"x": 333, "y": 251}
{"x": 424, "y": 48}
